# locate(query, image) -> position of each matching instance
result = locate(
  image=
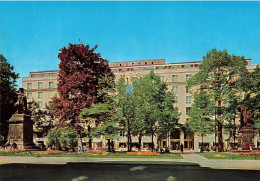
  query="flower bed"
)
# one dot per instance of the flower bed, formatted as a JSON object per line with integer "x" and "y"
{"x": 143, "y": 153}
{"x": 102, "y": 152}
{"x": 54, "y": 151}
{"x": 250, "y": 153}
{"x": 16, "y": 151}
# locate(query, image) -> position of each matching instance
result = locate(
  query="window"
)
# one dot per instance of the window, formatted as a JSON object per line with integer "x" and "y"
{"x": 175, "y": 89}
{"x": 162, "y": 78}
{"x": 188, "y": 110}
{"x": 40, "y": 95}
{"x": 29, "y": 95}
{"x": 188, "y": 89}
{"x": 40, "y": 104}
{"x": 174, "y": 78}
{"x": 176, "y": 100}
{"x": 51, "y": 85}
{"x": 29, "y": 85}
{"x": 152, "y": 63}
{"x": 188, "y": 77}
{"x": 188, "y": 99}
{"x": 40, "y": 85}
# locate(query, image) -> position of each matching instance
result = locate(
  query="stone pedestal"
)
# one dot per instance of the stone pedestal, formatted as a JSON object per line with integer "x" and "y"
{"x": 246, "y": 135}
{"x": 21, "y": 131}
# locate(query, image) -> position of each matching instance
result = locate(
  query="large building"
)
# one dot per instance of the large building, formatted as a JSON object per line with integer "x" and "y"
{"x": 42, "y": 86}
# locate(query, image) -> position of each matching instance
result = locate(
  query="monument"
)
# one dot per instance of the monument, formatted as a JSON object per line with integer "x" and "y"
{"x": 246, "y": 131}
{"x": 21, "y": 125}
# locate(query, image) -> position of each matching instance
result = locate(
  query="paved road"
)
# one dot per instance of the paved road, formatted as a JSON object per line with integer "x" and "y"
{"x": 188, "y": 158}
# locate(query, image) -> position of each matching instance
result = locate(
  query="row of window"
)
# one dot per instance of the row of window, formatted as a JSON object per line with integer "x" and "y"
{"x": 175, "y": 78}
{"x": 188, "y": 99}
{"x": 175, "y": 89}
{"x": 40, "y": 103}
{"x": 40, "y": 85}
{"x": 29, "y": 95}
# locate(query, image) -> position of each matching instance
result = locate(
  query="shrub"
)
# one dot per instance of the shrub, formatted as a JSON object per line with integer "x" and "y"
{"x": 54, "y": 138}
{"x": 63, "y": 138}
{"x": 68, "y": 139}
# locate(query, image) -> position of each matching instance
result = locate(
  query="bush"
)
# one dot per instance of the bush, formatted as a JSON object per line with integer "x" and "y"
{"x": 63, "y": 138}
{"x": 54, "y": 138}
{"x": 68, "y": 139}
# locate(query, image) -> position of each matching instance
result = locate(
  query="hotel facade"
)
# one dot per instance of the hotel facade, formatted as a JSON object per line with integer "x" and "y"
{"x": 42, "y": 87}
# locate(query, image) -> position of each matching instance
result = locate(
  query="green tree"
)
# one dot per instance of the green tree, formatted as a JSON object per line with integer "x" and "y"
{"x": 153, "y": 107}
{"x": 63, "y": 138}
{"x": 8, "y": 94}
{"x": 201, "y": 114}
{"x": 220, "y": 73}
{"x": 95, "y": 116}
{"x": 125, "y": 108}
{"x": 100, "y": 116}
{"x": 168, "y": 121}
{"x": 43, "y": 119}
{"x": 252, "y": 96}
{"x": 54, "y": 138}
{"x": 68, "y": 139}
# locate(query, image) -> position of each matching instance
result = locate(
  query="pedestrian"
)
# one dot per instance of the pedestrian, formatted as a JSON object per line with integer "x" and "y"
{"x": 181, "y": 148}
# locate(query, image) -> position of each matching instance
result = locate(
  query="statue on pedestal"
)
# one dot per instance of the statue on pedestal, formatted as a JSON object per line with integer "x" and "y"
{"x": 21, "y": 104}
{"x": 21, "y": 125}
{"x": 245, "y": 116}
{"x": 246, "y": 131}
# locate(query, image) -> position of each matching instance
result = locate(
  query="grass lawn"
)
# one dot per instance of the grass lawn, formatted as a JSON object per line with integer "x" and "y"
{"x": 231, "y": 156}
{"x": 90, "y": 155}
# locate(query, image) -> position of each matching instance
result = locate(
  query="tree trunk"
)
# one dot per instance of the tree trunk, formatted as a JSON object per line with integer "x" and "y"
{"x": 90, "y": 138}
{"x": 202, "y": 146}
{"x": 168, "y": 139}
{"x": 220, "y": 137}
{"x": 129, "y": 139}
{"x": 220, "y": 125}
{"x": 108, "y": 145}
{"x": 234, "y": 132}
{"x": 113, "y": 147}
{"x": 152, "y": 142}
{"x": 140, "y": 142}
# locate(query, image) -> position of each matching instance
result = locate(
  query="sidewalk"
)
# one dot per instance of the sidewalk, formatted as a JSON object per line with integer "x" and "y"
{"x": 189, "y": 159}
{"x": 221, "y": 163}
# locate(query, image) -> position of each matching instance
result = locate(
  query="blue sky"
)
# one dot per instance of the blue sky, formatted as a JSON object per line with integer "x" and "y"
{"x": 31, "y": 33}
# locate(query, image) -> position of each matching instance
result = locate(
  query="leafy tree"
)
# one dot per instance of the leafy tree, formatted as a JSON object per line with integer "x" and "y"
{"x": 153, "y": 107}
{"x": 54, "y": 138}
{"x": 63, "y": 138}
{"x": 8, "y": 94}
{"x": 220, "y": 73}
{"x": 201, "y": 114}
{"x": 232, "y": 104}
{"x": 68, "y": 139}
{"x": 100, "y": 116}
{"x": 252, "y": 96}
{"x": 78, "y": 80}
{"x": 168, "y": 122}
{"x": 125, "y": 108}
{"x": 144, "y": 103}
{"x": 95, "y": 116}
{"x": 43, "y": 119}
